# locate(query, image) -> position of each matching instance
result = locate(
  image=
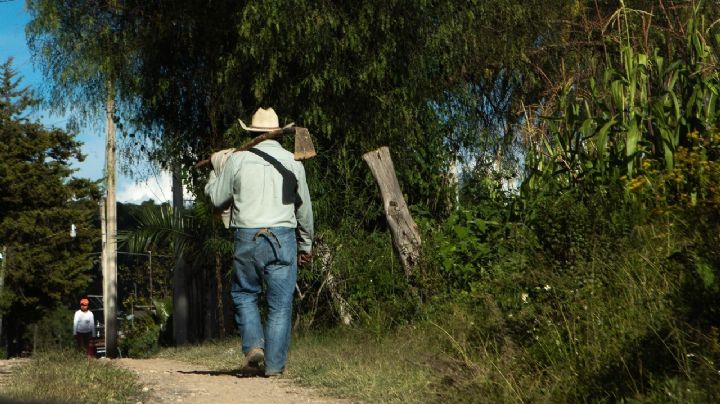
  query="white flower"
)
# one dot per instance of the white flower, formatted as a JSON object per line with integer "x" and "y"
{"x": 524, "y": 297}
{"x": 547, "y": 287}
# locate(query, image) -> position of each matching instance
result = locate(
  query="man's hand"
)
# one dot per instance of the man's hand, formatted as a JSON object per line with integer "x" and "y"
{"x": 304, "y": 258}
{"x": 219, "y": 158}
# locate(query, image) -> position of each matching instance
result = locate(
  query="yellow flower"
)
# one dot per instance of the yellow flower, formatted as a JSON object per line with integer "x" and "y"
{"x": 637, "y": 182}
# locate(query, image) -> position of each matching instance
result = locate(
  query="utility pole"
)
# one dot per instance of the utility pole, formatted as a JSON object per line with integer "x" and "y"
{"x": 181, "y": 302}
{"x": 103, "y": 257}
{"x": 110, "y": 246}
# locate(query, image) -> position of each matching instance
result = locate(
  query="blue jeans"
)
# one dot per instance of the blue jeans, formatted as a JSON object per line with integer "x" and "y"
{"x": 268, "y": 255}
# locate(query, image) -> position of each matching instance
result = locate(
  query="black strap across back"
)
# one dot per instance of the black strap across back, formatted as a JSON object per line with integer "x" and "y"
{"x": 290, "y": 186}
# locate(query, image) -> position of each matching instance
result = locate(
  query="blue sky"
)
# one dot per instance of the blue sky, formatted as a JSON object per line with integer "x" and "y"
{"x": 13, "y": 43}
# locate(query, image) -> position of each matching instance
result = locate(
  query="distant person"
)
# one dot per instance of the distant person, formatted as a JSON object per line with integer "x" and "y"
{"x": 83, "y": 326}
{"x": 271, "y": 215}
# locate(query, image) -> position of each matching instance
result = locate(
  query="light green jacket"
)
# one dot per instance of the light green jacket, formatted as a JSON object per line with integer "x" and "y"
{"x": 253, "y": 187}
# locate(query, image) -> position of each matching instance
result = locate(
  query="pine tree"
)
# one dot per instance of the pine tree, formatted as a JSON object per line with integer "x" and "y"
{"x": 40, "y": 200}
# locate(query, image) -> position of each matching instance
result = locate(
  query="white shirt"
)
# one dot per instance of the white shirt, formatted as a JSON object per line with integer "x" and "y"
{"x": 84, "y": 322}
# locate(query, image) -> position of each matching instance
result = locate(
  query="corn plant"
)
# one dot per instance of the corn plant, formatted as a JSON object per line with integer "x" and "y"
{"x": 643, "y": 106}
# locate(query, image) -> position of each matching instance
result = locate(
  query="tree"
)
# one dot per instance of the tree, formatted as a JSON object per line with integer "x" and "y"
{"x": 359, "y": 74}
{"x": 81, "y": 53}
{"x": 159, "y": 58}
{"x": 39, "y": 202}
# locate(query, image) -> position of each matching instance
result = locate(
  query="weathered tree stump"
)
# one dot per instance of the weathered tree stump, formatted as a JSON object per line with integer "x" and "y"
{"x": 404, "y": 230}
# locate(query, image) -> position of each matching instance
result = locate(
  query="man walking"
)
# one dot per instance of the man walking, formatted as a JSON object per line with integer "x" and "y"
{"x": 273, "y": 234}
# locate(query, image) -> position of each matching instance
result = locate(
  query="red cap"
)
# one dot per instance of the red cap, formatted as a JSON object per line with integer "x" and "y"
{"x": 84, "y": 302}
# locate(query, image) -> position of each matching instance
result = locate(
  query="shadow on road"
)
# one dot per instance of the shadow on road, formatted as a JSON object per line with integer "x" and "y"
{"x": 242, "y": 373}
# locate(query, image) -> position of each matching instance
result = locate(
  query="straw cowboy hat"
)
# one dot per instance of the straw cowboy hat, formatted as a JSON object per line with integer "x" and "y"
{"x": 264, "y": 120}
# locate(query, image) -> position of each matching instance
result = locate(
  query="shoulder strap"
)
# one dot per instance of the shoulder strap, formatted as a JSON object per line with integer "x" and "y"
{"x": 289, "y": 187}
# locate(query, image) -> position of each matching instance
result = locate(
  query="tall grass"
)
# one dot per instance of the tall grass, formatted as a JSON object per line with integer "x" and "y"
{"x": 613, "y": 326}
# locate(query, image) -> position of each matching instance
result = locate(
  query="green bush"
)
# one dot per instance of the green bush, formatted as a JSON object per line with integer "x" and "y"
{"x": 634, "y": 317}
{"x": 54, "y": 330}
{"x": 140, "y": 334}
{"x": 361, "y": 268}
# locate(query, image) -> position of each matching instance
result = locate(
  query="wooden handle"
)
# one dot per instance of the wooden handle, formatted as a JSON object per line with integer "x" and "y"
{"x": 254, "y": 141}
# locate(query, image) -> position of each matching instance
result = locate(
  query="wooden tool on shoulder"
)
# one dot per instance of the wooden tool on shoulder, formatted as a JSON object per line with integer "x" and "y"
{"x": 304, "y": 148}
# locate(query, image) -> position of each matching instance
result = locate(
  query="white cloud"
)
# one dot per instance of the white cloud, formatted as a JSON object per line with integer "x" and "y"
{"x": 157, "y": 188}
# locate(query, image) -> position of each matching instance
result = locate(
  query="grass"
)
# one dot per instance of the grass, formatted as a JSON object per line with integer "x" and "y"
{"x": 344, "y": 363}
{"x": 69, "y": 377}
{"x": 360, "y": 366}
{"x": 224, "y": 355}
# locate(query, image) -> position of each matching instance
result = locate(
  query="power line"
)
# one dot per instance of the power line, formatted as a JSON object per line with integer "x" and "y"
{"x": 129, "y": 253}
{"x": 145, "y": 254}
{"x": 154, "y": 168}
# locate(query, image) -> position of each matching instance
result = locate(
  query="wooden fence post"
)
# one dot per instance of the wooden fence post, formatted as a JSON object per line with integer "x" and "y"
{"x": 404, "y": 230}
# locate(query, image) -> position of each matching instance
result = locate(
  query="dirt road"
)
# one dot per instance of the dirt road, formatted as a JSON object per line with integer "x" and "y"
{"x": 169, "y": 381}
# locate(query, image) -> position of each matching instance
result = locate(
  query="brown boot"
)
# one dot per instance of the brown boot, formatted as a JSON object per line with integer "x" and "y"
{"x": 253, "y": 357}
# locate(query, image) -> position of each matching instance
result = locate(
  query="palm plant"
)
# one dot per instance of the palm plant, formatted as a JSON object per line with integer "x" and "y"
{"x": 198, "y": 243}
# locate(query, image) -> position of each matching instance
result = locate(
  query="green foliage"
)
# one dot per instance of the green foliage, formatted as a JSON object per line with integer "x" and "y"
{"x": 648, "y": 101}
{"x": 81, "y": 49}
{"x": 360, "y": 75}
{"x": 141, "y": 331}
{"x": 199, "y": 238}
{"x": 39, "y": 201}
{"x": 194, "y": 233}
{"x": 467, "y": 247}
{"x": 606, "y": 290}
{"x": 366, "y": 74}
{"x": 144, "y": 270}
{"x": 599, "y": 281}
{"x": 692, "y": 182}
{"x": 54, "y": 331}
{"x": 633, "y": 315}
{"x": 363, "y": 272}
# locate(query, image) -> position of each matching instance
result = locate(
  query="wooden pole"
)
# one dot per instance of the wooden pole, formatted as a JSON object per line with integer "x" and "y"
{"x": 181, "y": 302}
{"x": 103, "y": 256}
{"x": 110, "y": 273}
{"x": 404, "y": 230}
